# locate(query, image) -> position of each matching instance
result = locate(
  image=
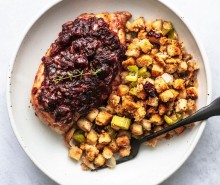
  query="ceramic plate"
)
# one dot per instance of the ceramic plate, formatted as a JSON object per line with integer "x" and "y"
{"x": 46, "y": 148}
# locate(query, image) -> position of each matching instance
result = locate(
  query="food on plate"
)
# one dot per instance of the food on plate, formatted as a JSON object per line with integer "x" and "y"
{"x": 158, "y": 87}
{"x": 106, "y": 79}
{"x": 80, "y": 69}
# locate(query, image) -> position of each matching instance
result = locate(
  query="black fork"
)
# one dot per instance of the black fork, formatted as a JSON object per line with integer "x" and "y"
{"x": 212, "y": 109}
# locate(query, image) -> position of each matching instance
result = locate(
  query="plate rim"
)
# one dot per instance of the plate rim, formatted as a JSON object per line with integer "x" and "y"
{"x": 10, "y": 72}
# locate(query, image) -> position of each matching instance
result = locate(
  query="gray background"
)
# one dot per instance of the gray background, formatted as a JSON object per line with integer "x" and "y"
{"x": 202, "y": 167}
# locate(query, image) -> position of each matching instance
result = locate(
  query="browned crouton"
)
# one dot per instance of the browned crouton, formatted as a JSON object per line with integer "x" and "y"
{"x": 103, "y": 118}
{"x": 75, "y": 152}
{"x": 192, "y": 93}
{"x": 157, "y": 70}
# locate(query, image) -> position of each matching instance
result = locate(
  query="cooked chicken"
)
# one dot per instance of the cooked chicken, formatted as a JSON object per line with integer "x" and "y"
{"x": 79, "y": 69}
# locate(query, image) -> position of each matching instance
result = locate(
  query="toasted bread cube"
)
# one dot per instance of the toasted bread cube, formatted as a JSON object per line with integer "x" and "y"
{"x": 110, "y": 109}
{"x": 175, "y": 94}
{"x": 114, "y": 100}
{"x": 162, "y": 109}
{"x": 153, "y": 101}
{"x": 104, "y": 138}
{"x": 156, "y": 119}
{"x": 160, "y": 58}
{"x": 173, "y": 50}
{"x": 179, "y": 84}
{"x": 92, "y": 137}
{"x": 113, "y": 145}
{"x": 91, "y": 152}
{"x": 100, "y": 146}
{"x": 139, "y": 114}
{"x": 107, "y": 152}
{"x": 129, "y": 62}
{"x": 191, "y": 105}
{"x": 182, "y": 67}
{"x": 181, "y": 105}
{"x": 92, "y": 115}
{"x": 170, "y": 68}
{"x": 123, "y": 141}
{"x": 84, "y": 124}
{"x": 103, "y": 118}
{"x": 145, "y": 45}
{"x": 157, "y": 70}
{"x": 133, "y": 51}
{"x": 123, "y": 75}
{"x": 99, "y": 160}
{"x": 136, "y": 129}
{"x": 124, "y": 133}
{"x": 166, "y": 95}
{"x": 148, "y": 25}
{"x": 157, "y": 24}
{"x": 182, "y": 94}
{"x": 142, "y": 34}
{"x": 123, "y": 90}
{"x": 146, "y": 124}
{"x": 150, "y": 111}
{"x": 88, "y": 163}
{"x": 192, "y": 93}
{"x": 141, "y": 94}
{"x": 75, "y": 152}
{"x": 192, "y": 65}
{"x": 125, "y": 151}
{"x": 144, "y": 60}
{"x": 137, "y": 25}
{"x": 160, "y": 84}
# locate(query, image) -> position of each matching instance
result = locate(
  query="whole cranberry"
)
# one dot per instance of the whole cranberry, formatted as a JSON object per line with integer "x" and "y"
{"x": 80, "y": 61}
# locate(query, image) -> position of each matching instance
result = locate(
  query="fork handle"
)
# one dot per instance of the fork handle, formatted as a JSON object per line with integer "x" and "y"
{"x": 213, "y": 109}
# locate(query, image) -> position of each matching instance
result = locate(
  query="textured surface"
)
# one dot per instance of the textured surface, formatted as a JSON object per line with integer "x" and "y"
{"x": 202, "y": 167}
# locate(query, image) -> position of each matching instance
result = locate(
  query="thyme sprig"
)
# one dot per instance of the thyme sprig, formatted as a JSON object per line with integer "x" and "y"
{"x": 70, "y": 76}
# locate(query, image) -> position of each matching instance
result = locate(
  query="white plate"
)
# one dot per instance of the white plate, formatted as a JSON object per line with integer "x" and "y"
{"x": 47, "y": 149}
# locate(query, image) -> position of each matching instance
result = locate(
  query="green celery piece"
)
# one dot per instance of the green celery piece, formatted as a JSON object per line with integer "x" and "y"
{"x": 172, "y": 35}
{"x": 121, "y": 122}
{"x": 169, "y": 120}
{"x": 142, "y": 71}
{"x": 133, "y": 74}
{"x": 79, "y": 137}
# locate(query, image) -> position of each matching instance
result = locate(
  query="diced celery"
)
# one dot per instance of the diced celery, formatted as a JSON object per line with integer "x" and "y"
{"x": 121, "y": 122}
{"x": 179, "y": 117}
{"x": 79, "y": 137}
{"x": 172, "y": 121}
{"x": 133, "y": 91}
{"x": 142, "y": 72}
{"x": 169, "y": 120}
{"x": 133, "y": 68}
{"x": 172, "y": 35}
{"x": 133, "y": 84}
{"x": 133, "y": 74}
{"x": 167, "y": 27}
{"x": 132, "y": 77}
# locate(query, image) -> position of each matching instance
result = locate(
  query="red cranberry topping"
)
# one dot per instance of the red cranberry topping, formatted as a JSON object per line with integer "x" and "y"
{"x": 84, "y": 61}
{"x": 150, "y": 89}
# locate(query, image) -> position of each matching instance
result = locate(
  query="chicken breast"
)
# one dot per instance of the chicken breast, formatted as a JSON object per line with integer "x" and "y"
{"x": 79, "y": 69}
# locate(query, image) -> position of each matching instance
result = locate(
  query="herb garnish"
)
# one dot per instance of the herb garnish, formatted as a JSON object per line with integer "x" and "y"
{"x": 80, "y": 74}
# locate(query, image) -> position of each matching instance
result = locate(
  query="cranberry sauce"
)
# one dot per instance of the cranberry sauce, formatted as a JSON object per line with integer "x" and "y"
{"x": 83, "y": 62}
